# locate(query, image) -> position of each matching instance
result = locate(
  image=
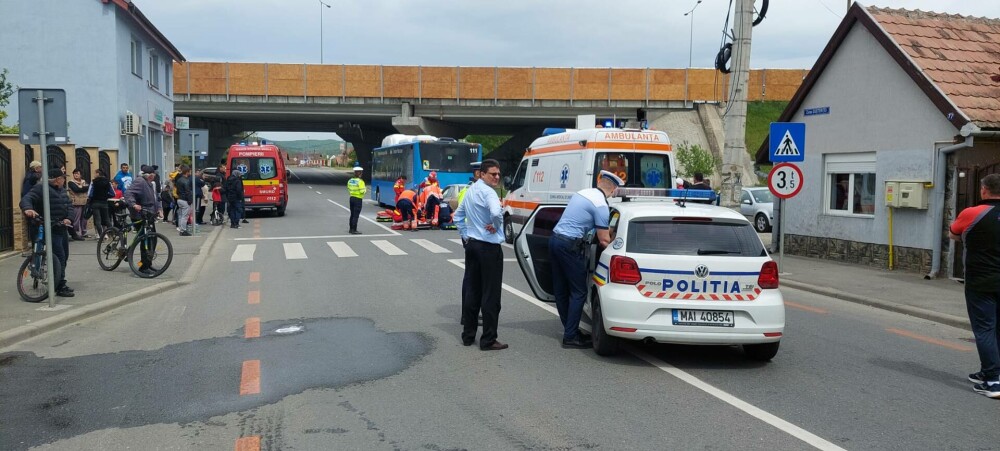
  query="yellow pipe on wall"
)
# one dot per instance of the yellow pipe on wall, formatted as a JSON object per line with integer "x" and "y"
{"x": 890, "y": 239}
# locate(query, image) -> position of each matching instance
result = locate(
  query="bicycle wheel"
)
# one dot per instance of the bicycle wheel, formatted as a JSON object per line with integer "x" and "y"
{"x": 32, "y": 283}
{"x": 109, "y": 254}
{"x": 161, "y": 253}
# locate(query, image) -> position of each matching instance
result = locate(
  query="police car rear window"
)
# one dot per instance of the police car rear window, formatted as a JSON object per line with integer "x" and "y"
{"x": 717, "y": 238}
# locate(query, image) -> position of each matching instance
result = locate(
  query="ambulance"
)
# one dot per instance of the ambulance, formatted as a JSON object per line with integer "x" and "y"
{"x": 564, "y": 161}
{"x": 265, "y": 178}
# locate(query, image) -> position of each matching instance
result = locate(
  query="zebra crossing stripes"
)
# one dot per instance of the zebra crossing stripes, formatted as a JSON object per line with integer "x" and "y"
{"x": 457, "y": 241}
{"x": 341, "y": 249}
{"x": 243, "y": 253}
{"x": 434, "y": 248}
{"x": 388, "y": 247}
{"x": 294, "y": 251}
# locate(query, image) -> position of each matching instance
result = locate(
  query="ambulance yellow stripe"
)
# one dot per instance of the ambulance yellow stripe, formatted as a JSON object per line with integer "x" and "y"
{"x": 271, "y": 182}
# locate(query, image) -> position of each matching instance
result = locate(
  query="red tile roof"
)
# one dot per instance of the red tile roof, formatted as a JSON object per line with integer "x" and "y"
{"x": 960, "y": 55}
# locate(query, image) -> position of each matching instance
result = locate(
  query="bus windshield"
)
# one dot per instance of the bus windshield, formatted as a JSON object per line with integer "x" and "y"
{"x": 256, "y": 168}
{"x": 448, "y": 157}
{"x": 638, "y": 170}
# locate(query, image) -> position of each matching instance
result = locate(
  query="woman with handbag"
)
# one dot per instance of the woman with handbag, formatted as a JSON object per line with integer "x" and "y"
{"x": 78, "y": 188}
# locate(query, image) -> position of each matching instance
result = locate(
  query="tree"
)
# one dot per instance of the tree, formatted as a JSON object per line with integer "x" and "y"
{"x": 693, "y": 158}
{"x": 6, "y": 90}
{"x": 489, "y": 142}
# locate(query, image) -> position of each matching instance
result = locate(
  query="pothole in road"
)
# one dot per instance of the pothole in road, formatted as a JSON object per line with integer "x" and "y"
{"x": 49, "y": 399}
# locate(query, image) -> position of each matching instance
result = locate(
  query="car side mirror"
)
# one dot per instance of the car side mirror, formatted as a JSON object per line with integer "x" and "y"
{"x": 507, "y": 180}
{"x": 747, "y": 201}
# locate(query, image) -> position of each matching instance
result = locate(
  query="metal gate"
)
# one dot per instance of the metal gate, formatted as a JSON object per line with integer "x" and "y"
{"x": 57, "y": 158}
{"x": 6, "y": 201}
{"x": 104, "y": 163}
{"x": 83, "y": 163}
{"x": 29, "y": 156}
{"x": 967, "y": 195}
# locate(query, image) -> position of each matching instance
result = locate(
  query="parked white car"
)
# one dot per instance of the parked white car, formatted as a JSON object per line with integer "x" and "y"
{"x": 688, "y": 274}
{"x": 757, "y": 204}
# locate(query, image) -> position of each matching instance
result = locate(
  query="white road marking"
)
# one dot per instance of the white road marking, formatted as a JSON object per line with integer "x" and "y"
{"x": 317, "y": 192}
{"x": 341, "y": 249}
{"x": 313, "y": 237}
{"x": 310, "y": 187}
{"x": 294, "y": 251}
{"x": 750, "y": 409}
{"x": 434, "y": 248}
{"x": 388, "y": 247}
{"x": 366, "y": 218}
{"x": 457, "y": 241}
{"x": 243, "y": 253}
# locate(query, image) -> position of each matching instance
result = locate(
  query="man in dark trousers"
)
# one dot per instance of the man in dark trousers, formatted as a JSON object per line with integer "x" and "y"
{"x": 234, "y": 197}
{"x": 480, "y": 223}
{"x": 356, "y": 188}
{"x": 141, "y": 197}
{"x": 586, "y": 211}
{"x": 60, "y": 212}
{"x": 979, "y": 228}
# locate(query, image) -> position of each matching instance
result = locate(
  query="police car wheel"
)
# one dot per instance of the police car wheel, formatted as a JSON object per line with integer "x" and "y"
{"x": 762, "y": 352}
{"x": 760, "y": 223}
{"x": 604, "y": 344}
{"x": 508, "y": 230}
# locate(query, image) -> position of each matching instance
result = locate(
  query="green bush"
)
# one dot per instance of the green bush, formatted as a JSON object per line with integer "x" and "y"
{"x": 694, "y": 158}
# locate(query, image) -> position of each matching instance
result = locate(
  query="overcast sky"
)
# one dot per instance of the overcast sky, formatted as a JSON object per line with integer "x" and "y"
{"x": 553, "y": 33}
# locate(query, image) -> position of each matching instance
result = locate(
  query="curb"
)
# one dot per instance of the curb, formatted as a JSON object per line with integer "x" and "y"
{"x": 17, "y": 334}
{"x": 938, "y": 317}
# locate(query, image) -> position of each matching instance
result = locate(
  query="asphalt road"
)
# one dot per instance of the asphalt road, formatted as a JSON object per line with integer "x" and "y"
{"x": 300, "y": 336}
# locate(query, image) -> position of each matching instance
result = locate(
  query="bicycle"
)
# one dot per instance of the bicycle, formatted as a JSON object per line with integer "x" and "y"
{"x": 113, "y": 247}
{"x": 33, "y": 277}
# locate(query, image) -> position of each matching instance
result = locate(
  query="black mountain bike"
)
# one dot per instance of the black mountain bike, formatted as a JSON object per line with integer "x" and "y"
{"x": 33, "y": 277}
{"x": 114, "y": 246}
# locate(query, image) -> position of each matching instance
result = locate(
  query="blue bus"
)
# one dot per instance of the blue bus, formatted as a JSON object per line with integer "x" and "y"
{"x": 416, "y": 159}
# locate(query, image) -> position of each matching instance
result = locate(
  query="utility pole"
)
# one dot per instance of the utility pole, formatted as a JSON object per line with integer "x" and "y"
{"x": 737, "y": 168}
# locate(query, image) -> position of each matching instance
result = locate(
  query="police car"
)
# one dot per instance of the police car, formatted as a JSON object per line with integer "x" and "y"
{"x": 676, "y": 272}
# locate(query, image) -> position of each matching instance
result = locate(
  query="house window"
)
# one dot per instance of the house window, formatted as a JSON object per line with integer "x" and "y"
{"x": 154, "y": 70}
{"x": 849, "y": 184}
{"x": 167, "y": 77}
{"x": 137, "y": 57}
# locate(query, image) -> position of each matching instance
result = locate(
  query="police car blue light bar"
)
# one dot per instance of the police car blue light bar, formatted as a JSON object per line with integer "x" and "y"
{"x": 664, "y": 192}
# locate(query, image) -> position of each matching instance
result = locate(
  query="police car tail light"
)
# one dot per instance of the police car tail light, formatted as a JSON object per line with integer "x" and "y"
{"x": 768, "y": 277}
{"x": 625, "y": 270}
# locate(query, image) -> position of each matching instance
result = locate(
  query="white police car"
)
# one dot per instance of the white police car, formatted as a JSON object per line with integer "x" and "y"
{"x": 675, "y": 272}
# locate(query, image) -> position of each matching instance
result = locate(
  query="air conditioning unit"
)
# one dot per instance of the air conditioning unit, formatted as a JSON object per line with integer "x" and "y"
{"x": 132, "y": 124}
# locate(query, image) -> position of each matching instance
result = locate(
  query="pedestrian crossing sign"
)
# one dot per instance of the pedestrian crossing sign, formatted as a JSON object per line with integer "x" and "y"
{"x": 788, "y": 142}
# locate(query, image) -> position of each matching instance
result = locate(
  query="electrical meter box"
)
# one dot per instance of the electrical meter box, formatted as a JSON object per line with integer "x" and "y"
{"x": 891, "y": 194}
{"x": 912, "y": 195}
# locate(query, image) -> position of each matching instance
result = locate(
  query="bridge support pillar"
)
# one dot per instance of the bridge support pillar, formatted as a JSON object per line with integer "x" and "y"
{"x": 409, "y": 124}
{"x": 363, "y": 140}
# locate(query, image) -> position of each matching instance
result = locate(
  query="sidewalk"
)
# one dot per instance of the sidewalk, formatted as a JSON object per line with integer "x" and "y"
{"x": 938, "y": 300}
{"x": 97, "y": 291}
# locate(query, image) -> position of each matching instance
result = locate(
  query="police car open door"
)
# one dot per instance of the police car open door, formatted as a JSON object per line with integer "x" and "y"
{"x": 531, "y": 246}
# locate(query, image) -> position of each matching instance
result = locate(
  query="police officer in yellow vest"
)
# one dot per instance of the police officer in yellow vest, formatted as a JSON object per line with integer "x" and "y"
{"x": 356, "y": 188}
{"x": 475, "y": 177}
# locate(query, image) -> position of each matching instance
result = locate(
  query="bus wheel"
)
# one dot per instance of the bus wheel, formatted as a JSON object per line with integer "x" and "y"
{"x": 281, "y": 211}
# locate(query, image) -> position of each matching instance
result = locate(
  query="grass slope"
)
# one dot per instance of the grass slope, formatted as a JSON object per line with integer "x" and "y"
{"x": 759, "y": 118}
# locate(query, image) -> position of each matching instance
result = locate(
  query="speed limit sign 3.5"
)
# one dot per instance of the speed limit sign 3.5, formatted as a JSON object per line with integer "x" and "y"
{"x": 785, "y": 180}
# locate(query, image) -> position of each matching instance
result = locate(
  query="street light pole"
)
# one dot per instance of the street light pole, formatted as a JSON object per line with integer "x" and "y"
{"x": 690, "y": 52}
{"x": 321, "y": 5}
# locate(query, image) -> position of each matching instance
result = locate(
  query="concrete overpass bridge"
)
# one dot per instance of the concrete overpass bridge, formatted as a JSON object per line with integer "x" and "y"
{"x": 363, "y": 104}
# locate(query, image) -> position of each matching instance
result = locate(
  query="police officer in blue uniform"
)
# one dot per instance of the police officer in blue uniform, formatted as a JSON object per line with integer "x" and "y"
{"x": 587, "y": 210}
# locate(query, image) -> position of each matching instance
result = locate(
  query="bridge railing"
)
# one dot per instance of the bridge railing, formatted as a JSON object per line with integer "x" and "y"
{"x": 480, "y": 83}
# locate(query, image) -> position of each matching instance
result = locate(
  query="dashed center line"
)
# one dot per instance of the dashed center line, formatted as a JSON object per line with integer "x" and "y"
{"x": 253, "y": 297}
{"x": 806, "y": 308}
{"x": 251, "y": 329}
{"x": 933, "y": 341}
{"x": 255, "y": 276}
{"x": 251, "y": 443}
{"x": 250, "y": 378}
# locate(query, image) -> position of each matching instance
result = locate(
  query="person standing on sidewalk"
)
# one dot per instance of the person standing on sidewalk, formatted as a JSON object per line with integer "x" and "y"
{"x": 60, "y": 212}
{"x": 78, "y": 188}
{"x": 587, "y": 210}
{"x": 482, "y": 235}
{"x": 979, "y": 229}
{"x": 185, "y": 199}
{"x": 98, "y": 195}
{"x": 356, "y": 188}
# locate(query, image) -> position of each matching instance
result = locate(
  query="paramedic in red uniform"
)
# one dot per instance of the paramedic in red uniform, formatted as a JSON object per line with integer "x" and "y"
{"x": 979, "y": 228}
